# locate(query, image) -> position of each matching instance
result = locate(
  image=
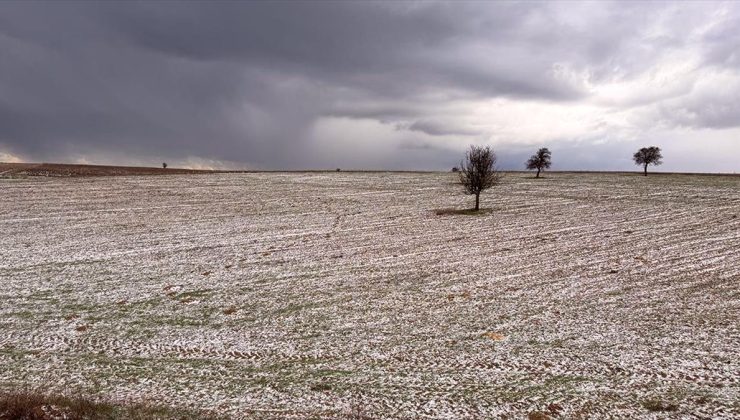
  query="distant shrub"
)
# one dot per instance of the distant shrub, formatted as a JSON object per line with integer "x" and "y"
{"x": 338, "y": 170}
{"x": 164, "y": 165}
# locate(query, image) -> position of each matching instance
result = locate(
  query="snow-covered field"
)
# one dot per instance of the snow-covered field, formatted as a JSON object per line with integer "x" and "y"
{"x": 338, "y": 294}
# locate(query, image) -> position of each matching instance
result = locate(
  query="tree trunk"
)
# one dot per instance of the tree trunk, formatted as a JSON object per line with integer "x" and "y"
{"x": 646, "y": 169}
{"x": 477, "y": 201}
{"x": 538, "y": 173}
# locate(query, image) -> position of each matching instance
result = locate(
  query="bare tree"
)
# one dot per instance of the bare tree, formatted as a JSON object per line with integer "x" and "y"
{"x": 478, "y": 171}
{"x": 648, "y": 156}
{"x": 540, "y": 160}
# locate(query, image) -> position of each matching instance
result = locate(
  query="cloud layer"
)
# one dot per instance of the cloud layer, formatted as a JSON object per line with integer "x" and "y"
{"x": 369, "y": 84}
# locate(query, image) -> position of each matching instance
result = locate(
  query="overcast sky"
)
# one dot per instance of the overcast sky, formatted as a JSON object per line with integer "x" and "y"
{"x": 385, "y": 85}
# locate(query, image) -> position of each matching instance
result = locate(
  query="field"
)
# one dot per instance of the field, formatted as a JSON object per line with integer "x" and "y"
{"x": 341, "y": 295}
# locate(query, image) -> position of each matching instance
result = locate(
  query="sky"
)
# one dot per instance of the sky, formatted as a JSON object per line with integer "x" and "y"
{"x": 370, "y": 85}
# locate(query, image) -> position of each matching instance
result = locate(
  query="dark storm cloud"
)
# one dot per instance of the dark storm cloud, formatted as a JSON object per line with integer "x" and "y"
{"x": 262, "y": 83}
{"x": 227, "y": 80}
{"x": 439, "y": 128}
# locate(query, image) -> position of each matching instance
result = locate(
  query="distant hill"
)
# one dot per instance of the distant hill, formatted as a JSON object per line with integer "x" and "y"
{"x": 69, "y": 170}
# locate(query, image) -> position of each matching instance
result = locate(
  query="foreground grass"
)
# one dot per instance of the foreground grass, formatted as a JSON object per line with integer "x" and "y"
{"x": 32, "y": 405}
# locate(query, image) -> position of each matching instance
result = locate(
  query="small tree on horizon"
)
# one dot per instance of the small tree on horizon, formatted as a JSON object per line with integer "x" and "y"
{"x": 478, "y": 171}
{"x": 648, "y": 156}
{"x": 164, "y": 165}
{"x": 540, "y": 161}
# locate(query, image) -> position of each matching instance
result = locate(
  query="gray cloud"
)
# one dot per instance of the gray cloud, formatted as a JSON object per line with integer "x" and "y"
{"x": 259, "y": 82}
{"x": 440, "y": 128}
